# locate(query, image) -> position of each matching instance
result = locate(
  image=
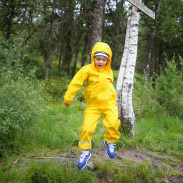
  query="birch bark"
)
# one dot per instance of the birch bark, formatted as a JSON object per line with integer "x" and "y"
{"x": 120, "y": 79}
{"x": 126, "y": 74}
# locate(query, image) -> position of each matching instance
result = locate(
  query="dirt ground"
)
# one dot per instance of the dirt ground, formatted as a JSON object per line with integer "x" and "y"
{"x": 129, "y": 157}
{"x": 135, "y": 157}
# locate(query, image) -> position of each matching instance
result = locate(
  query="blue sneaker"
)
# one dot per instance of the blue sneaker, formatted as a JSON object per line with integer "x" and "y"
{"x": 83, "y": 160}
{"x": 110, "y": 149}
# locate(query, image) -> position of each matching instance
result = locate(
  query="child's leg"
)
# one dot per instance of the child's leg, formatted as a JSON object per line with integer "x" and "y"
{"x": 91, "y": 117}
{"x": 111, "y": 123}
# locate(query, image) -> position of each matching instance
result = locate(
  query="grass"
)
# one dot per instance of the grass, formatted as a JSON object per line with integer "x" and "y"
{"x": 48, "y": 173}
{"x": 141, "y": 173}
{"x": 52, "y": 172}
{"x": 158, "y": 133}
{"x": 59, "y": 128}
{"x": 162, "y": 133}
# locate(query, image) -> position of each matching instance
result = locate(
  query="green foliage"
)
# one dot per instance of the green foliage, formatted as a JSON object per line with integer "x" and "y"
{"x": 169, "y": 87}
{"x": 160, "y": 132}
{"x": 142, "y": 173}
{"x": 167, "y": 91}
{"x": 143, "y": 102}
{"x": 129, "y": 172}
{"x": 156, "y": 128}
{"x": 160, "y": 37}
{"x": 59, "y": 126}
{"x": 56, "y": 88}
{"x": 20, "y": 101}
{"x": 169, "y": 25}
{"x": 32, "y": 61}
{"x": 56, "y": 171}
{"x": 46, "y": 172}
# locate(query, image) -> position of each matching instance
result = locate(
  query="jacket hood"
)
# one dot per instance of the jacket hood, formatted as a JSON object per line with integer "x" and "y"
{"x": 102, "y": 47}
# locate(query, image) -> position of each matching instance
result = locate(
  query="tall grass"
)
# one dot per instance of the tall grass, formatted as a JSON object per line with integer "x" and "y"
{"x": 48, "y": 173}
{"x": 160, "y": 132}
{"x": 60, "y": 127}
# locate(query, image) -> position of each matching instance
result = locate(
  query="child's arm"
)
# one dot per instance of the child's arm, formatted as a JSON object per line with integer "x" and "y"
{"x": 75, "y": 85}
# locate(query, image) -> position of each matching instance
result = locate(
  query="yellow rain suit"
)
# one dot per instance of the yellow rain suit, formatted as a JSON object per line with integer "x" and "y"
{"x": 100, "y": 96}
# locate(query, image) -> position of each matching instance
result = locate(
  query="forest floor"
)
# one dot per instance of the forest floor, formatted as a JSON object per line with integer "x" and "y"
{"x": 124, "y": 159}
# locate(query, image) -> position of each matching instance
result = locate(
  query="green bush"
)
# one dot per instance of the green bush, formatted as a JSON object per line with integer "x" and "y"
{"x": 20, "y": 101}
{"x": 56, "y": 88}
{"x": 166, "y": 94}
{"x": 169, "y": 87}
{"x": 143, "y": 102}
{"x": 32, "y": 61}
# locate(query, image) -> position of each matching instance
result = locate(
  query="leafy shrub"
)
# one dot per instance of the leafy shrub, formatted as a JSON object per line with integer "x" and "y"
{"x": 167, "y": 93}
{"x": 169, "y": 87}
{"x": 143, "y": 102}
{"x": 20, "y": 101}
{"x": 56, "y": 88}
{"x": 32, "y": 61}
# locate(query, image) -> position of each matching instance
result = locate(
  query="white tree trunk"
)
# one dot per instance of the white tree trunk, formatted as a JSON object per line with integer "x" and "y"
{"x": 124, "y": 59}
{"x": 126, "y": 74}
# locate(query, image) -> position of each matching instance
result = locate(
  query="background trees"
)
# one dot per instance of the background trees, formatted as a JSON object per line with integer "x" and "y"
{"x": 62, "y": 30}
{"x": 55, "y": 37}
{"x": 160, "y": 38}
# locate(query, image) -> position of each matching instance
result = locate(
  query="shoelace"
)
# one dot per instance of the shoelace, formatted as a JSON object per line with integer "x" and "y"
{"x": 111, "y": 146}
{"x": 82, "y": 157}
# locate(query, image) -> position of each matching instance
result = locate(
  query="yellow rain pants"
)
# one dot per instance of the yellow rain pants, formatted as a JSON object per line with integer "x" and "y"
{"x": 91, "y": 117}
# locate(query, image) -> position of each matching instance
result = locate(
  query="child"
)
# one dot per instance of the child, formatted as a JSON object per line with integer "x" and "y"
{"x": 100, "y": 96}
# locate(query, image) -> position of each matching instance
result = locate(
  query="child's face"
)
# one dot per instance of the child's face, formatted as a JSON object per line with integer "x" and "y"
{"x": 100, "y": 61}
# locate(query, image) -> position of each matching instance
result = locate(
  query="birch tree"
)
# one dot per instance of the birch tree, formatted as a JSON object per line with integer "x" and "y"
{"x": 124, "y": 86}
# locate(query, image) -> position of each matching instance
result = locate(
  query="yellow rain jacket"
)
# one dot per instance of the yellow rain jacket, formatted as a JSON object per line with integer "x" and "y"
{"x": 100, "y": 96}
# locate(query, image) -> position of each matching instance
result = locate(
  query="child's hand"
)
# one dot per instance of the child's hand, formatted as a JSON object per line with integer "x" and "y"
{"x": 67, "y": 104}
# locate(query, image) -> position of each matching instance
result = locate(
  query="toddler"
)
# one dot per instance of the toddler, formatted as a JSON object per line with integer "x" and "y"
{"x": 100, "y": 97}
